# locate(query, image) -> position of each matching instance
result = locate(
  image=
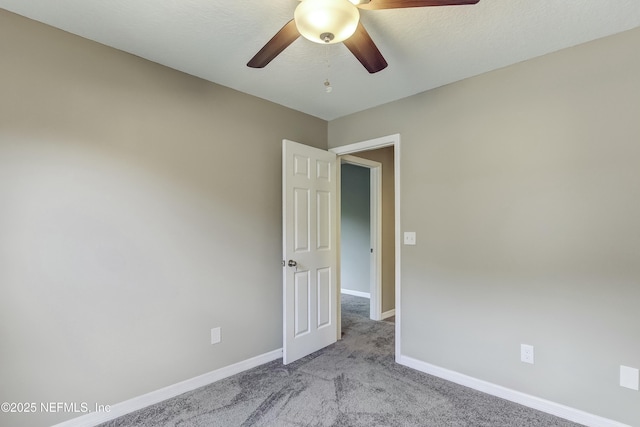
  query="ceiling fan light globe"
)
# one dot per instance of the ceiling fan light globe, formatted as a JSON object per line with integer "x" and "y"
{"x": 316, "y": 17}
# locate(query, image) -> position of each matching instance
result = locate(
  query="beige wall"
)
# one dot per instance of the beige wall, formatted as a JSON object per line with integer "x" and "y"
{"x": 385, "y": 156}
{"x": 139, "y": 208}
{"x": 523, "y": 185}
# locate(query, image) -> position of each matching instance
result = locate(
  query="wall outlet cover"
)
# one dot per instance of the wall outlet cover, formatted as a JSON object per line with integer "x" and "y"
{"x": 215, "y": 336}
{"x": 629, "y": 377}
{"x": 526, "y": 353}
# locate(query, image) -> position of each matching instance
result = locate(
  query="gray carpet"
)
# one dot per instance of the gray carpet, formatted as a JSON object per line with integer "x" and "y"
{"x": 354, "y": 382}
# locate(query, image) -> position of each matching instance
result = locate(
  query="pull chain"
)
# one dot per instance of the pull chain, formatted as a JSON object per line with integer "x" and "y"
{"x": 327, "y": 83}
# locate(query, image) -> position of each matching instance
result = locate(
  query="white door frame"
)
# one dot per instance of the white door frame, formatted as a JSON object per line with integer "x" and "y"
{"x": 375, "y": 215}
{"x": 372, "y": 144}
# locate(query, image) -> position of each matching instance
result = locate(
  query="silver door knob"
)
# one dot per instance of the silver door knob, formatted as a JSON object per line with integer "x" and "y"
{"x": 292, "y": 263}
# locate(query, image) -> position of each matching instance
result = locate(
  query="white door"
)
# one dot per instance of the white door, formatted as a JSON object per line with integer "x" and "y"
{"x": 309, "y": 250}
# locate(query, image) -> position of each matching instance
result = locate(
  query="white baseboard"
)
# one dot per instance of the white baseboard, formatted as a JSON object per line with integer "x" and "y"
{"x": 355, "y": 293}
{"x": 543, "y": 405}
{"x": 140, "y": 402}
{"x": 388, "y": 314}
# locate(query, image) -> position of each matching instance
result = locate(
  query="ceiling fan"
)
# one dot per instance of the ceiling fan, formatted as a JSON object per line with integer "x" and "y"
{"x": 335, "y": 21}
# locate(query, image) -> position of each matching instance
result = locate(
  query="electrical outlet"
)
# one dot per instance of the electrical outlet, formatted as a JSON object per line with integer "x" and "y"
{"x": 215, "y": 335}
{"x": 526, "y": 353}
{"x": 629, "y": 377}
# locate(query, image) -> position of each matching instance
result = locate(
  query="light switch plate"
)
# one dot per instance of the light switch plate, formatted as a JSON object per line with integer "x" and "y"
{"x": 409, "y": 237}
{"x": 629, "y": 377}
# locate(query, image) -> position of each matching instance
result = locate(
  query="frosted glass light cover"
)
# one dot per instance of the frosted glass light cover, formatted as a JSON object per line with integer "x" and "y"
{"x": 316, "y": 17}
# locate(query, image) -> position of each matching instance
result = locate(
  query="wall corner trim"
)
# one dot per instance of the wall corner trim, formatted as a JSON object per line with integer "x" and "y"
{"x": 151, "y": 398}
{"x": 528, "y": 400}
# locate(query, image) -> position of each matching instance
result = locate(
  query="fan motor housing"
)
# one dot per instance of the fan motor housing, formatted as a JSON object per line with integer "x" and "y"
{"x": 315, "y": 19}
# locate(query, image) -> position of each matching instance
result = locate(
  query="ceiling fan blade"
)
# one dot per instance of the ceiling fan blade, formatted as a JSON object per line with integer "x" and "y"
{"x": 399, "y": 4}
{"x": 365, "y": 50}
{"x": 283, "y": 38}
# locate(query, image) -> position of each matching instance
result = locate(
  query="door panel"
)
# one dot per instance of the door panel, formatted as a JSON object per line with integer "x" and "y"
{"x": 302, "y": 303}
{"x": 309, "y": 242}
{"x": 324, "y": 297}
{"x": 323, "y": 215}
{"x": 302, "y": 218}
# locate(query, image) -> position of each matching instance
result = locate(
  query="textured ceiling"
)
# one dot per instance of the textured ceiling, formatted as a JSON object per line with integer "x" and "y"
{"x": 425, "y": 47}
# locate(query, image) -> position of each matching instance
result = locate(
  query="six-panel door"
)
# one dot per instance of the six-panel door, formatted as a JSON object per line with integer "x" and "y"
{"x": 309, "y": 228}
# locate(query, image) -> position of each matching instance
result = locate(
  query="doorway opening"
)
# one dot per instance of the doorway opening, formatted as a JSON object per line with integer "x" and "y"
{"x": 361, "y": 231}
{"x": 387, "y": 298}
